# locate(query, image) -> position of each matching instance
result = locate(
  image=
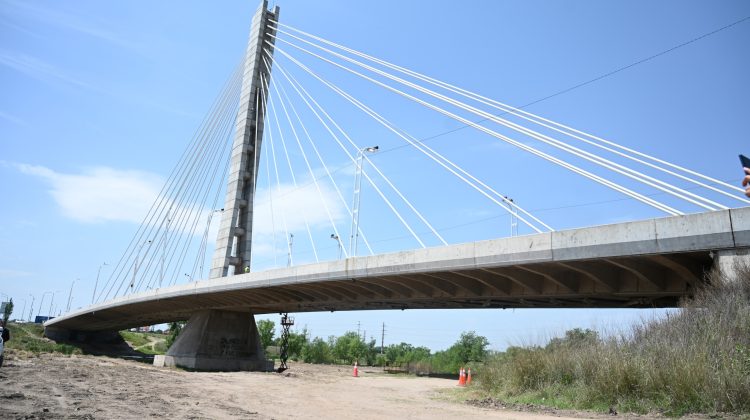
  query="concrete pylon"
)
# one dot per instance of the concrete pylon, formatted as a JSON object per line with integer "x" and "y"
{"x": 233, "y": 242}
{"x": 218, "y": 341}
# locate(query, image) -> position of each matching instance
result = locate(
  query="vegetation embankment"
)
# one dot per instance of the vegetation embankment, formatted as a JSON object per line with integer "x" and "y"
{"x": 29, "y": 338}
{"x": 695, "y": 360}
{"x": 147, "y": 343}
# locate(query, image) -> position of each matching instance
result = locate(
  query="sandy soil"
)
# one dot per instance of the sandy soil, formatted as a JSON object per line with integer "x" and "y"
{"x": 88, "y": 387}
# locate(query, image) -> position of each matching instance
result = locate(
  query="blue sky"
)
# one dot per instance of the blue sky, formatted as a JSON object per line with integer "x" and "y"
{"x": 99, "y": 100}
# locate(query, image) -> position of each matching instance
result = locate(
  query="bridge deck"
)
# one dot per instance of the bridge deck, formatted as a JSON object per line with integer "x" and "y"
{"x": 650, "y": 263}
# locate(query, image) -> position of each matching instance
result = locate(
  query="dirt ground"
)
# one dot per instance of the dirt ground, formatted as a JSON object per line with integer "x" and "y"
{"x": 98, "y": 387}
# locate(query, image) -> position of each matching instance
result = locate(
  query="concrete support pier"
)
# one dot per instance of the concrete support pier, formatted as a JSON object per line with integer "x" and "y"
{"x": 215, "y": 340}
{"x": 732, "y": 262}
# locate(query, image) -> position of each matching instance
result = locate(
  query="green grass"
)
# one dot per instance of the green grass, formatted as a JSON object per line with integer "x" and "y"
{"x": 148, "y": 343}
{"x": 695, "y": 360}
{"x": 29, "y": 337}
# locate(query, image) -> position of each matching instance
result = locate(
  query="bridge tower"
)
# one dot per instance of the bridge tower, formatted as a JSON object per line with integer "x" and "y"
{"x": 233, "y": 243}
{"x": 228, "y": 339}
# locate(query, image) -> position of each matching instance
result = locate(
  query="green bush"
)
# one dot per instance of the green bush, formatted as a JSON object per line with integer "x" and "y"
{"x": 696, "y": 359}
{"x": 29, "y": 337}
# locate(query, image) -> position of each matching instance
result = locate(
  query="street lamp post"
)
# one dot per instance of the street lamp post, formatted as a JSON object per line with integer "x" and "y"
{"x": 354, "y": 238}
{"x": 23, "y": 311}
{"x": 31, "y": 310}
{"x": 164, "y": 248}
{"x": 135, "y": 263}
{"x": 41, "y": 302}
{"x": 338, "y": 242}
{"x": 52, "y": 301}
{"x": 513, "y": 217}
{"x": 291, "y": 244}
{"x": 96, "y": 284}
{"x": 70, "y": 294}
{"x": 204, "y": 241}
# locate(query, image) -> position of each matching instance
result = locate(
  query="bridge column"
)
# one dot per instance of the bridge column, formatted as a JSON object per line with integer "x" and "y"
{"x": 233, "y": 241}
{"x": 215, "y": 340}
{"x": 731, "y": 262}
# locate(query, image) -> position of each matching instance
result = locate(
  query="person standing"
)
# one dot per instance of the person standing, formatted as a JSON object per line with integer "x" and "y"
{"x": 4, "y": 336}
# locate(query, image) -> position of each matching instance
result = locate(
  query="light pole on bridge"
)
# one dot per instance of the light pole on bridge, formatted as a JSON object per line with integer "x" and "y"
{"x": 338, "y": 242}
{"x": 354, "y": 238}
{"x": 513, "y": 217}
{"x": 204, "y": 241}
{"x": 23, "y": 311}
{"x": 291, "y": 243}
{"x": 41, "y": 301}
{"x": 135, "y": 263}
{"x": 31, "y": 309}
{"x": 96, "y": 284}
{"x": 51, "y": 302}
{"x": 70, "y": 294}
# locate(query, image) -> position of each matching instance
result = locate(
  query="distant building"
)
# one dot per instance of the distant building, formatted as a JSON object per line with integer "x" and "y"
{"x": 41, "y": 319}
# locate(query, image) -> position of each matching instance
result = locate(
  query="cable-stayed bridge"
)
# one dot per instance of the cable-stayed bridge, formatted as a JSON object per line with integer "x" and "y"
{"x": 275, "y": 213}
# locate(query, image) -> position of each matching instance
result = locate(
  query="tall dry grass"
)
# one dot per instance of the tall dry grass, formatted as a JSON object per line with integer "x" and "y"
{"x": 696, "y": 359}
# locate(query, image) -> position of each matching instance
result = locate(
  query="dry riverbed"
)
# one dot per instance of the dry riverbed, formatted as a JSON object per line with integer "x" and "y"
{"x": 90, "y": 387}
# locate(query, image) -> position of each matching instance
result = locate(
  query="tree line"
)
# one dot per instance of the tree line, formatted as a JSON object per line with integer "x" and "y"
{"x": 469, "y": 349}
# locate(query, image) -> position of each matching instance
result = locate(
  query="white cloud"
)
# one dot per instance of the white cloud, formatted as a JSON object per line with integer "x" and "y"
{"x": 86, "y": 25}
{"x": 293, "y": 206}
{"x": 100, "y": 194}
{"x": 13, "y": 274}
{"x": 13, "y": 119}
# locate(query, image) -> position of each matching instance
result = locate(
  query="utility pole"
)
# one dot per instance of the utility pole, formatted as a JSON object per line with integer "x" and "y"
{"x": 382, "y": 339}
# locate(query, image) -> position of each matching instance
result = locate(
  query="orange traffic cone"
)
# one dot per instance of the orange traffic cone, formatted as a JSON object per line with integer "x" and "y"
{"x": 468, "y": 378}
{"x": 356, "y": 371}
{"x": 461, "y": 378}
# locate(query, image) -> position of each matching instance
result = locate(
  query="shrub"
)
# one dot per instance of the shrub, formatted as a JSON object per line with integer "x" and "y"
{"x": 696, "y": 359}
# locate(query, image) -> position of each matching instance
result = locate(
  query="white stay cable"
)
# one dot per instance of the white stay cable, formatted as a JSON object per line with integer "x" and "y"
{"x": 304, "y": 155}
{"x": 535, "y": 119}
{"x": 268, "y": 175}
{"x": 390, "y": 205}
{"x": 398, "y": 192}
{"x": 309, "y": 167}
{"x": 325, "y": 166}
{"x": 446, "y": 160}
{"x": 406, "y": 137}
{"x": 276, "y": 171}
{"x": 520, "y": 145}
{"x": 291, "y": 170}
{"x": 623, "y": 170}
{"x": 503, "y": 201}
{"x": 408, "y": 203}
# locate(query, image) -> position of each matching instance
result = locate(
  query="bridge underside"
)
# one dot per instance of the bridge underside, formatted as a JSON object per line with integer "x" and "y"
{"x": 632, "y": 282}
{"x": 644, "y": 264}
